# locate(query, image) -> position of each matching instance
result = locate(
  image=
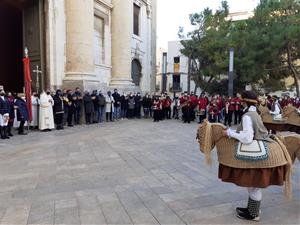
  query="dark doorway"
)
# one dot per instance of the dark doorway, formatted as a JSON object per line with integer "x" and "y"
{"x": 136, "y": 72}
{"x": 11, "y": 45}
{"x": 20, "y": 26}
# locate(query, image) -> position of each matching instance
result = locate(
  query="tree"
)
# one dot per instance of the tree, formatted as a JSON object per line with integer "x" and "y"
{"x": 268, "y": 44}
{"x": 207, "y": 45}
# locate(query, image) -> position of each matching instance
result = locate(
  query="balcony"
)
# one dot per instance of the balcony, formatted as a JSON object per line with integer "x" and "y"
{"x": 175, "y": 88}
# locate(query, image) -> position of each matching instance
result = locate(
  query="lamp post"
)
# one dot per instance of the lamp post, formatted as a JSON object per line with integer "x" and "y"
{"x": 164, "y": 72}
{"x": 230, "y": 74}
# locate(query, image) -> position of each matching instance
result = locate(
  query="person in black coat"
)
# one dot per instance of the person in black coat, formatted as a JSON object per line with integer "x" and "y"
{"x": 88, "y": 107}
{"x": 22, "y": 113}
{"x": 147, "y": 105}
{"x": 4, "y": 115}
{"x": 58, "y": 110}
{"x": 138, "y": 105}
{"x": 71, "y": 108}
{"x": 11, "y": 102}
{"x": 124, "y": 105}
{"x": 95, "y": 99}
{"x": 117, "y": 104}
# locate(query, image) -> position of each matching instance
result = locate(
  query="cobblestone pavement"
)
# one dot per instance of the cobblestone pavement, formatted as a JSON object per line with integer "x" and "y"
{"x": 127, "y": 172}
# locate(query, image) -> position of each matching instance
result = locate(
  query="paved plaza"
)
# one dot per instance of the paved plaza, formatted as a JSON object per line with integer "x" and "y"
{"x": 127, "y": 172}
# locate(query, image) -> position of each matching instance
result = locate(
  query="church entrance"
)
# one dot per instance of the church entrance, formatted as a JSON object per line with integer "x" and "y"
{"x": 21, "y": 26}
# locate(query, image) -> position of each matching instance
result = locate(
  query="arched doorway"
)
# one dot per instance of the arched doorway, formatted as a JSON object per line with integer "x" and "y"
{"x": 136, "y": 71}
{"x": 21, "y": 25}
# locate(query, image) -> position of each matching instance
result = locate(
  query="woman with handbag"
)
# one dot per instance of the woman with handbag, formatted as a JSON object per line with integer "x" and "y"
{"x": 251, "y": 131}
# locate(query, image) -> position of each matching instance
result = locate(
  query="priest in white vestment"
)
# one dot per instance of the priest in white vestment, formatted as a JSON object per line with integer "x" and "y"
{"x": 35, "y": 106}
{"x": 46, "y": 120}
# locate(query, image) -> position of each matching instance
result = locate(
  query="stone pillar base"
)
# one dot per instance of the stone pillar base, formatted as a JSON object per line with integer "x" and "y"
{"x": 123, "y": 85}
{"x": 85, "y": 81}
{"x": 121, "y": 82}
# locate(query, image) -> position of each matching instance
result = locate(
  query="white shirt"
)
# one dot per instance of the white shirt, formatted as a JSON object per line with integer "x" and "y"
{"x": 246, "y": 135}
{"x": 276, "y": 110}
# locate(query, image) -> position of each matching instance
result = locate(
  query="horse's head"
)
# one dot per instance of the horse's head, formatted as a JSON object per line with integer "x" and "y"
{"x": 265, "y": 114}
{"x": 288, "y": 110}
{"x": 207, "y": 135}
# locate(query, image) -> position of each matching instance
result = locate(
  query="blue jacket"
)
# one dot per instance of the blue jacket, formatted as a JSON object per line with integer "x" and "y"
{"x": 22, "y": 111}
{"x": 4, "y": 106}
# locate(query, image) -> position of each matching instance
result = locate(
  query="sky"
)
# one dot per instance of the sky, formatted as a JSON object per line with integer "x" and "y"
{"x": 171, "y": 14}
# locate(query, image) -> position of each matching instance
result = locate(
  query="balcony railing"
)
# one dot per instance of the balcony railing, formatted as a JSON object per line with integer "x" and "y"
{"x": 175, "y": 88}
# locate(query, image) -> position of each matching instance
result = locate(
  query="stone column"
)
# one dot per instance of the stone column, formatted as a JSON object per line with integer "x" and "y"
{"x": 122, "y": 30}
{"x": 79, "y": 44}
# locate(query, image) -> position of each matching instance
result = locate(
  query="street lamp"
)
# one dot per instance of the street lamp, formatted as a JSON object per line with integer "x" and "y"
{"x": 230, "y": 74}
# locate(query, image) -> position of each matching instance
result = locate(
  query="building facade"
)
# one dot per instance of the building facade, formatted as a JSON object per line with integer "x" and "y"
{"x": 176, "y": 72}
{"x": 91, "y": 44}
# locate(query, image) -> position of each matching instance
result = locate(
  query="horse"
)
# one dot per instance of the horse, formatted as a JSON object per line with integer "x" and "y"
{"x": 210, "y": 135}
{"x": 293, "y": 118}
{"x": 290, "y": 119}
{"x": 292, "y": 143}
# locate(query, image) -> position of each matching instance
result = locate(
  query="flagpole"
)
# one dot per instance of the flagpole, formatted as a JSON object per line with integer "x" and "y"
{"x": 26, "y": 62}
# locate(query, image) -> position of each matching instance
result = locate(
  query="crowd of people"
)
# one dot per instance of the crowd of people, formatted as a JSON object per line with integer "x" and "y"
{"x": 66, "y": 107}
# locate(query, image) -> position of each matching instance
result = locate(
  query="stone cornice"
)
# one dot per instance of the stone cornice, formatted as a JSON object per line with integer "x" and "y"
{"x": 144, "y": 2}
{"x": 104, "y": 3}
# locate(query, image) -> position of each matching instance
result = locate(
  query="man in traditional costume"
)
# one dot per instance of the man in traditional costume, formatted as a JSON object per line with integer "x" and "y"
{"x": 46, "y": 121}
{"x": 276, "y": 109}
{"x": 250, "y": 129}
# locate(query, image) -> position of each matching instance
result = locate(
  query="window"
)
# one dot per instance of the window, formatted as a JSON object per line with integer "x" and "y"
{"x": 177, "y": 59}
{"x": 136, "y": 72}
{"x": 176, "y": 82}
{"x": 99, "y": 40}
{"x": 136, "y": 19}
{"x": 176, "y": 64}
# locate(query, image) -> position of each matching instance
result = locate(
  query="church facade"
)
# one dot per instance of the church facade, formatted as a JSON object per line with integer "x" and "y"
{"x": 91, "y": 44}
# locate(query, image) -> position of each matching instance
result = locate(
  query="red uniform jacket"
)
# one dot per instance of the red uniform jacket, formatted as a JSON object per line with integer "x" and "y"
{"x": 167, "y": 103}
{"x": 220, "y": 103}
{"x": 184, "y": 100}
{"x": 213, "y": 110}
{"x": 238, "y": 104}
{"x": 193, "y": 100}
{"x": 202, "y": 102}
{"x": 157, "y": 105}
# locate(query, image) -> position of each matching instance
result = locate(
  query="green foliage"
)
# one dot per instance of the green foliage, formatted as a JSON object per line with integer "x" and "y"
{"x": 267, "y": 46}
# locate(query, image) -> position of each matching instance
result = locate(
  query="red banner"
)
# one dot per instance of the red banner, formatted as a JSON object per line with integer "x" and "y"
{"x": 26, "y": 62}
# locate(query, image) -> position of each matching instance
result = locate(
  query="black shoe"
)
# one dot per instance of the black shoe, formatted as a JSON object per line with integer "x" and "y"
{"x": 241, "y": 210}
{"x": 70, "y": 125}
{"x": 10, "y": 135}
{"x": 22, "y": 133}
{"x": 248, "y": 216}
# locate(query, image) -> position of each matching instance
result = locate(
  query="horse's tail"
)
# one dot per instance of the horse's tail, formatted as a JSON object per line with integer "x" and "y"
{"x": 208, "y": 143}
{"x": 288, "y": 183}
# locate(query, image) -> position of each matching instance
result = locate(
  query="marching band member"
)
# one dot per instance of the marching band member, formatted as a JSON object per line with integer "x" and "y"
{"x": 186, "y": 108}
{"x": 157, "y": 107}
{"x": 237, "y": 109}
{"x": 202, "y": 105}
{"x": 228, "y": 111}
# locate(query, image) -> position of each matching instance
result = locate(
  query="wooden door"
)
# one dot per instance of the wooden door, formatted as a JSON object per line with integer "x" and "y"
{"x": 33, "y": 40}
